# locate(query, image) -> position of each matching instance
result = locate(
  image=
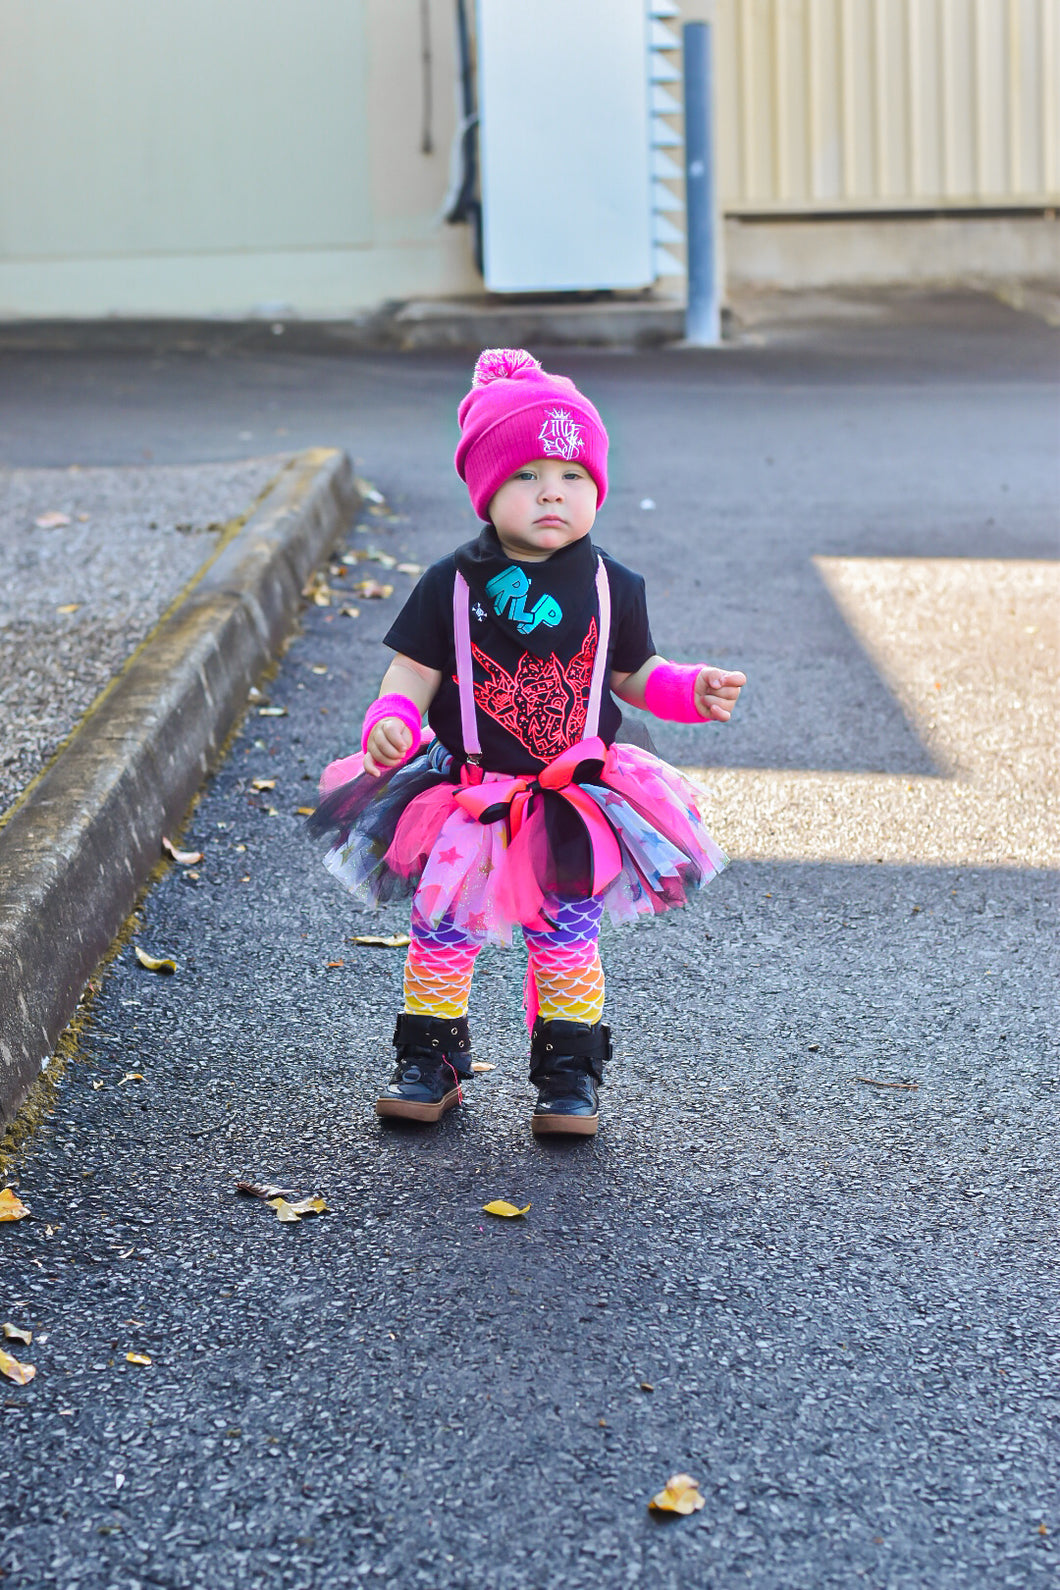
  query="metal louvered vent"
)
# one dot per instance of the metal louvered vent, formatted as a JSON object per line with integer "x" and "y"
{"x": 664, "y": 45}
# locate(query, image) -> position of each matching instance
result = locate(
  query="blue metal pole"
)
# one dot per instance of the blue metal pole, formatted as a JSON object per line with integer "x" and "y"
{"x": 703, "y": 316}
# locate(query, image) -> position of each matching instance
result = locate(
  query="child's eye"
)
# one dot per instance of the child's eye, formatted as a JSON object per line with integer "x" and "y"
{"x": 526, "y": 474}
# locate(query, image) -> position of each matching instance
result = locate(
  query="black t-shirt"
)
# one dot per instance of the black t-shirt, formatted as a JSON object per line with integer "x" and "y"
{"x": 530, "y": 707}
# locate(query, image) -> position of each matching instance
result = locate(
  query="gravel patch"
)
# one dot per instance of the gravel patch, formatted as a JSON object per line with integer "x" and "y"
{"x": 135, "y": 537}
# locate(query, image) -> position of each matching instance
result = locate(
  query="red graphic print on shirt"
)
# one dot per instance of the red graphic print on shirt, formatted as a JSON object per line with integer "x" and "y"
{"x": 542, "y": 704}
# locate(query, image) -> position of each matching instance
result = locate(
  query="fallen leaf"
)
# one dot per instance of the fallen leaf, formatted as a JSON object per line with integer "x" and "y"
{"x": 367, "y": 490}
{"x": 870, "y": 1082}
{"x": 288, "y": 1212}
{"x": 681, "y": 1495}
{"x": 183, "y": 858}
{"x": 396, "y": 941}
{"x": 373, "y": 589}
{"x": 318, "y": 668}
{"x": 482, "y": 1065}
{"x": 499, "y": 1206}
{"x": 409, "y": 568}
{"x": 132, "y": 1076}
{"x": 271, "y": 811}
{"x": 272, "y": 712}
{"x": 97, "y": 1085}
{"x": 349, "y": 612}
{"x": 13, "y": 1334}
{"x": 262, "y": 1189}
{"x": 68, "y": 607}
{"x": 11, "y": 1205}
{"x": 51, "y": 521}
{"x": 333, "y": 965}
{"x": 137, "y": 1358}
{"x": 263, "y": 783}
{"x": 646, "y": 1385}
{"x": 155, "y": 963}
{"x": 384, "y": 559}
{"x": 316, "y": 589}
{"x": 192, "y": 874}
{"x": 21, "y": 1374}
{"x": 304, "y": 811}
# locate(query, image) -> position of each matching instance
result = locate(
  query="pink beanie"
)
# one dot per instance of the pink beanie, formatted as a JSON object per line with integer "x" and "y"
{"x": 516, "y": 412}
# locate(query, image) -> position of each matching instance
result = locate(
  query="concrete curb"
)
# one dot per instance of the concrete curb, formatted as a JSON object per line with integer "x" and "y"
{"x": 77, "y": 850}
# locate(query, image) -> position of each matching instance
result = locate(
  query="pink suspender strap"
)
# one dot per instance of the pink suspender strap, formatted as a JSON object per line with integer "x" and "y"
{"x": 596, "y": 686}
{"x": 464, "y": 678}
{"x": 465, "y": 681}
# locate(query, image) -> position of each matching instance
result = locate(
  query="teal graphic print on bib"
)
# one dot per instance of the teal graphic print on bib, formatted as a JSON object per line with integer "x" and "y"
{"x": 508, "y": 589}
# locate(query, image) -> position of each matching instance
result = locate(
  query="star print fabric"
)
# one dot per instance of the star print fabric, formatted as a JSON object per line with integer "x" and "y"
{"x": 407, "y": 833}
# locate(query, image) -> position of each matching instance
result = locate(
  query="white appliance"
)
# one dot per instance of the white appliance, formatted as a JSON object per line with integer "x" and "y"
{"x": 575, "y": 145}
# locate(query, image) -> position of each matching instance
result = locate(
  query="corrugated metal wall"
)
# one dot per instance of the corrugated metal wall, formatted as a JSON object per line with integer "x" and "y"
{"x": 862, "y": 105}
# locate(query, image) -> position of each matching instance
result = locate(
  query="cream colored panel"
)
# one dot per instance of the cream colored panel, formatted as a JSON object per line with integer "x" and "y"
{"x": 141, "y": 126}
{"x": 844, "y": 105}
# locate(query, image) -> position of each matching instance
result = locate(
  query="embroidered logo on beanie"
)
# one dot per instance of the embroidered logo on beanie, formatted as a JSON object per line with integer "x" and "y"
{"x": 561, "y": 436}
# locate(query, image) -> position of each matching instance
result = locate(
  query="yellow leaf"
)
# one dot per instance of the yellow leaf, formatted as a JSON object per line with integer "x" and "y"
{"x": 482, "y": 1065}
{"x": 21, "y": 1374}
{"x": 396, "y": 941}
{"x": 284, "y": 1210}
{"x": 263, "y": 783}
{"x": 318, "y": 668}
{"x": 131, "y": 1076}
{"x": 500, "y": 1207}
{"x": 681, "y": 1495}
{"x": 11, "y": 1205}
{"x": 155, "y": 963}
{"x": 304, "y": 811}
{"x": 272, "y": 712}
{"x": 346, "y": 611}
{"x": 13, "y": 1334}
{"x": 137, "y": 1358}
{"x": 68, "y": 607}
{"x": 183, "y": 858}
{"x": 311, "y": 1206}
{"x": 374, "y": 590}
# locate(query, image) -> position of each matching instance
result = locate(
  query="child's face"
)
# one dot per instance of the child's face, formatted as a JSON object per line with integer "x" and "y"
{"x": 542, "y": 507}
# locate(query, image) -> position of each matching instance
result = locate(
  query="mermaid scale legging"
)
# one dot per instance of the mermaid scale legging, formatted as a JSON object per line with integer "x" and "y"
{"x": 564, "y": 964}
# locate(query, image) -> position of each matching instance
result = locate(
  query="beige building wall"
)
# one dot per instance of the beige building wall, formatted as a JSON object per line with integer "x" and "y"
{"x": 241, "y": 157}
{"x": 229, "y": 157}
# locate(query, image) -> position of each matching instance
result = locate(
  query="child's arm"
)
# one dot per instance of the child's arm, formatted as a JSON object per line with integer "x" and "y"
{"x": 389, "y": 739}
{"x": 678, "y": 692}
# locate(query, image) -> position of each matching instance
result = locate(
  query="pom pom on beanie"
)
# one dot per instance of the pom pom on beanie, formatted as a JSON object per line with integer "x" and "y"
{"x": 516, "y": 412}
{"x": 496, "y": 364}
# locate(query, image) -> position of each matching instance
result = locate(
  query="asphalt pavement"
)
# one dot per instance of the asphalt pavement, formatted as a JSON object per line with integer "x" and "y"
{"x": 810, "y": 1258}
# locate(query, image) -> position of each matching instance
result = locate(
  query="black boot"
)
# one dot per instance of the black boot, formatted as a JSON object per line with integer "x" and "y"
{"x": 433, "y": 1053}
{"x": 566, "y": 1063}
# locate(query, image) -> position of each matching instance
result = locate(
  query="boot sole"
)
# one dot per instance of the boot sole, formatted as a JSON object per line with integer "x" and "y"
{"x": 409, "y": 1110}
{"x": 572, "y": 1125}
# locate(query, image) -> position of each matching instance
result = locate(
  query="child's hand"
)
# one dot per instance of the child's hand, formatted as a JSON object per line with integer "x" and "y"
{"x": 716, "y": 693}
{"x": 388, "y": 745}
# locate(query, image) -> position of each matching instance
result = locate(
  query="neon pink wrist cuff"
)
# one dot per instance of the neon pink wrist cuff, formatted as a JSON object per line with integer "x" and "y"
{"x": 394, "y": 706}
{"x": 670, "y": 692}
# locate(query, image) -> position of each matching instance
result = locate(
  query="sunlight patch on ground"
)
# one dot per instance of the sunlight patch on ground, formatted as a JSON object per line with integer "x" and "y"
{"x": 968, "y": 648}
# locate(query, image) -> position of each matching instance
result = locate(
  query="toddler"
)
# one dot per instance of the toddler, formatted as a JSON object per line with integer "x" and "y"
{"x": 518, "y": 806}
